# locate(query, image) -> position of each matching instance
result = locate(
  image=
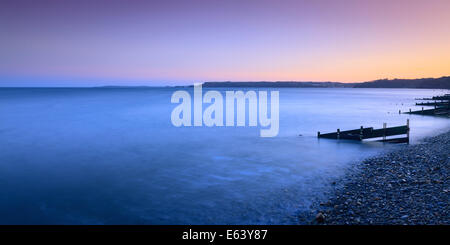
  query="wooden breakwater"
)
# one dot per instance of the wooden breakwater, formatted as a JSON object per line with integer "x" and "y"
{"x": 436, "y": 104}
{"x": 369, "y": 132}
{"x": 441, "y": 97}
{"x": 441, "y": 106}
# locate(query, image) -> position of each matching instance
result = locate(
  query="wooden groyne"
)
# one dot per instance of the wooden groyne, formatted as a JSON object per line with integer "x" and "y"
{"x": 441, "y": 97}
{"x": 441, "y": 106}
{"x": 369, "y": 132}
{"x": 433, "y": 103}
{"x": 431, "y": 112}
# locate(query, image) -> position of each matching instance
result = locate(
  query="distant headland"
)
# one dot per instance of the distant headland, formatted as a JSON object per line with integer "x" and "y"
{"x": 424, "y": 83}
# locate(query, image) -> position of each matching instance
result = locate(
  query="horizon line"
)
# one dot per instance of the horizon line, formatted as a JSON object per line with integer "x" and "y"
{"x": 224, "y": 81}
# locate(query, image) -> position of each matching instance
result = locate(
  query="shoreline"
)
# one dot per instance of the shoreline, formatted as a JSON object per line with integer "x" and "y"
{"x": 405, "y": 186}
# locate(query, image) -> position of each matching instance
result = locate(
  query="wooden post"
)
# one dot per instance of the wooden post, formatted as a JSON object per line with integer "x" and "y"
{"x": 361, "y": 133}
{"x": 338, "y": 133}
{"x": 318, "y": 134}
{"x": 422, "y": 109}
{"x": 407, "y": 130}
{"x": 399, "y": 112}
{"x": 384, "y": 131}
{"x": 409, "y": 110}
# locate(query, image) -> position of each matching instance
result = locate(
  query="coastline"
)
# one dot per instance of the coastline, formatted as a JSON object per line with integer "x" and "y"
{"x": 406, "y": 186}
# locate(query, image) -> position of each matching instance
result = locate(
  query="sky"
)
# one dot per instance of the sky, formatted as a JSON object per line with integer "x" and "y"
{"x": 170, "y": 42}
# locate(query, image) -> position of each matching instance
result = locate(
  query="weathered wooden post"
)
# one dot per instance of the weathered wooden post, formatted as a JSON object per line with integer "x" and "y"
{"x": 399, "y": 112}
{"x": 409, "y": 110}
{"x": 361, "y": 133}
{"x": 384, "y": 131}
{"x": 318, "y": 134}
{"x": 407, "y": 130}
{"x": 338, "y": 134}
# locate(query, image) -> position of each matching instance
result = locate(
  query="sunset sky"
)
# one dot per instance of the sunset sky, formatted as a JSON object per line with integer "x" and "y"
{"x": 84, "y": 43}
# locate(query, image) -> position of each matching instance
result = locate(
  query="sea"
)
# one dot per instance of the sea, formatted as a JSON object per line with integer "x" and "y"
{"x": 112, "y": 155}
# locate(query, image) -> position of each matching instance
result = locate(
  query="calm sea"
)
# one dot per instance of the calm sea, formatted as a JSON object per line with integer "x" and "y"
{"x": 112, "y": 156}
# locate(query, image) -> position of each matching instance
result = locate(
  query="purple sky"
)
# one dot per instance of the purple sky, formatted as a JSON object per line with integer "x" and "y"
{"x": 84, "y": 43}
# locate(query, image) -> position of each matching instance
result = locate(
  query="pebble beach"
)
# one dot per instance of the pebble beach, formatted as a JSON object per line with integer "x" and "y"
{"x": 406, "y": 186}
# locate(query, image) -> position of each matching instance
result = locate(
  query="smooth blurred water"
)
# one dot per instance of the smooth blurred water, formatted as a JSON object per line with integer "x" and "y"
{"x": 112, "y": 156}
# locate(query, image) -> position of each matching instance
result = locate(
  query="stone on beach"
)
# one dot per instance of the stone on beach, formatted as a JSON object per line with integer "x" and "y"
{"x": 409, "y": 185}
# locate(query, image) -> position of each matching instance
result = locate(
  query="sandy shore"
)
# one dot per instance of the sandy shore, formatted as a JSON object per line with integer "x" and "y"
{"x": 410, "y": 185}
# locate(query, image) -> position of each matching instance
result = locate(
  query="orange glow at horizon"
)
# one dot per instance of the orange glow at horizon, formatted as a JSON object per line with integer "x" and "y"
{"x": 323, "y": 40}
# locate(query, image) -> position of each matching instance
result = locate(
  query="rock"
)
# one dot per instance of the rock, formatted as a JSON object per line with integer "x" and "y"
{"x": 320, "y": 217}
{"x": 414, "y": 189}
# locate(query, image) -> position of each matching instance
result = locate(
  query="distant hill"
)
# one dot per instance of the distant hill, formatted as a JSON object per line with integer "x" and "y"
{"x": 430, "y": 83}
{"x": 278, "y": 84}
{"x": 436, "y": 83}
